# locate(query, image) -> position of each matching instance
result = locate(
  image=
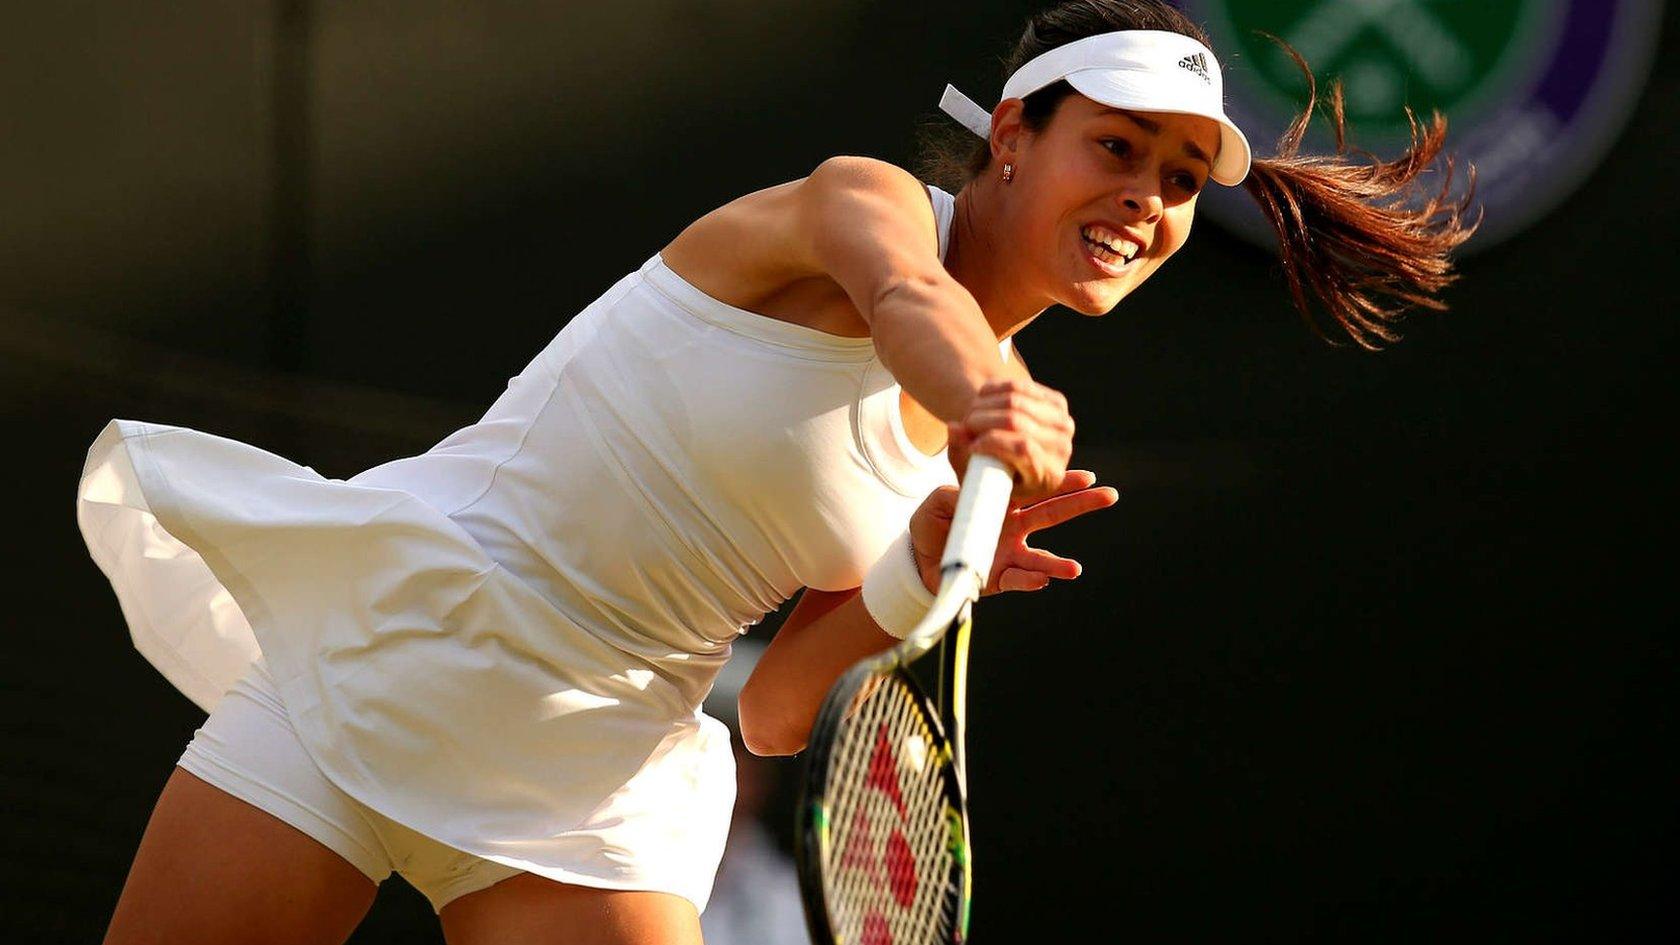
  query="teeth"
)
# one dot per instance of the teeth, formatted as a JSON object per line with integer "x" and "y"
{"x": 1113, "y": 242}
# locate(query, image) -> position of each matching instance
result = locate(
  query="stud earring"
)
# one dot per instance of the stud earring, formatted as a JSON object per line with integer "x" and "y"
{"x": 1008, "y": 173}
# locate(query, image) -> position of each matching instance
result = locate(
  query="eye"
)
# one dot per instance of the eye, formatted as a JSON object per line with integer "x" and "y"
{"x": 1186, "y": 182}
{"x": 1120, "y": 146}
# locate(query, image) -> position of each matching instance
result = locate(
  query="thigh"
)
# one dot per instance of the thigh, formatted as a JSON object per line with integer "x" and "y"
{"x": 212, "y": 868}
{"x": 530, "y": 910}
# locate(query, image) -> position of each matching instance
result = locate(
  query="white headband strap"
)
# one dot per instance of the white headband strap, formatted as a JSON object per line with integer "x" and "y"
{"x": 967, "y": 113}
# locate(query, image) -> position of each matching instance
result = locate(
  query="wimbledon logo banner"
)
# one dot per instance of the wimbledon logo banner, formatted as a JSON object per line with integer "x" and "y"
{"x": 1535, "y": 91}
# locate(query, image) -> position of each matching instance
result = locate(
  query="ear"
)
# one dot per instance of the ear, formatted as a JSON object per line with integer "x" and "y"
{"x": 1007, "y": 131}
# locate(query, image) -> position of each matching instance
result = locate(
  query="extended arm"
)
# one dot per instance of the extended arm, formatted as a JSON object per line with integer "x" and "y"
{"x": 866, "y": 228}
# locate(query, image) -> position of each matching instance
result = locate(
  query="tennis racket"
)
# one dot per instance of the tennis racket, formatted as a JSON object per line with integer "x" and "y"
{"x": 882, "y": 839}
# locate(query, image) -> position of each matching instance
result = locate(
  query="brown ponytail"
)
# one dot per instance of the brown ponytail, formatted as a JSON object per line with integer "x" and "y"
{"x": 1356, "y": 235}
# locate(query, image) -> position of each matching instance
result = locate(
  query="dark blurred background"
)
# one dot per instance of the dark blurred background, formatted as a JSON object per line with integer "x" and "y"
{"x": 1374, "y": 647}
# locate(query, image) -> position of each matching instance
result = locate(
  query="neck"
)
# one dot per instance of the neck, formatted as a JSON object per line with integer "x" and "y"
{"x": 981, "y": 261}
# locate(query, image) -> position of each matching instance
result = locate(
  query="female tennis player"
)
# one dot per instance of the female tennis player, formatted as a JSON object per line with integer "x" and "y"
{"x": 482, "y": 667}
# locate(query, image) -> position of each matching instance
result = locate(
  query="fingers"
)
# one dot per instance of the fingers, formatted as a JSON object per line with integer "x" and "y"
{"x": 1016, "y": 579}
{"x": 1032, "y": 413}
{"x": 1025, "y": 425}
{"x": 1075, "y": 480}
{"x": 1033, "y": 469}
{"x": 1038, "y": 466}
{"x": 1048, "y": 564}
{"x": 1063, "y": 508}
{"x": 1010, "y": 413}
{"x": 1035, "y": 569}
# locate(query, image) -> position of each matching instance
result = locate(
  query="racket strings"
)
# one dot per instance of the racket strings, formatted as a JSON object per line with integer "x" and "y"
{"x": 890, "y": 855}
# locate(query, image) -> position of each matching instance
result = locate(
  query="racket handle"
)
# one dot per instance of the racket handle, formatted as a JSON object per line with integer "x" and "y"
{"x": 975, "y": 527}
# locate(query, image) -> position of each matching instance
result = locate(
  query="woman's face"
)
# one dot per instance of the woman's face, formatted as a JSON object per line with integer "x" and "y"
{"x": 1109, "y": 195}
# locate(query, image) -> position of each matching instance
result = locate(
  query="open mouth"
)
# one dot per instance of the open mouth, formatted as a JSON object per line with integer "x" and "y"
{"x": 1109, "y": 248}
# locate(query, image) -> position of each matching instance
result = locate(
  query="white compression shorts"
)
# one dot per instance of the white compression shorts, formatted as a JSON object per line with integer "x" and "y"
{"x": 247, "y": 747}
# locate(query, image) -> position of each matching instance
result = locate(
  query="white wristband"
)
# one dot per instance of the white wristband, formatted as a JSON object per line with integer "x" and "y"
{"x": 893, "y": 591}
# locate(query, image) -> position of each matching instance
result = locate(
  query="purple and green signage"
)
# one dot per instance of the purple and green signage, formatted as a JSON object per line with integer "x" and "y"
{"x": 1535, "y": 91}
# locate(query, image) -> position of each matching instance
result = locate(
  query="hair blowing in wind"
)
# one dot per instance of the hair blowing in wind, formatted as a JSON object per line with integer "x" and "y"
{"x": 1358, "y": 236}
{"x": 1364, "y": 242}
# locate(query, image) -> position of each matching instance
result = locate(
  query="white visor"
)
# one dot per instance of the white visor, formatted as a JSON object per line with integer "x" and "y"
{"x": 1138, "y": 70}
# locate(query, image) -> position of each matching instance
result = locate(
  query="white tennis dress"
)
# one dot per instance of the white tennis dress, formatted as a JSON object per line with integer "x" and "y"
{"x": 503, "y": 643}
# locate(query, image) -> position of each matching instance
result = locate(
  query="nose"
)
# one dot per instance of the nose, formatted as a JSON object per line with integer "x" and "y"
{"x": 1143, "y": 203}
{"x": 1141, "y": 197}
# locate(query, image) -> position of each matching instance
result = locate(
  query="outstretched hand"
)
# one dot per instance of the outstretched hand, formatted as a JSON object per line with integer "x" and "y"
{"x": 1017, "y": 566}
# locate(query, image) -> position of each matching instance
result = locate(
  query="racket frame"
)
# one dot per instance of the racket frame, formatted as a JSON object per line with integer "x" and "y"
{"x": 964, "y": 567}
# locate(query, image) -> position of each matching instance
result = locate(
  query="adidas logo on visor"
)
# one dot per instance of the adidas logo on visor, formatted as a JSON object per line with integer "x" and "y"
{"x": 1197, "y": 63}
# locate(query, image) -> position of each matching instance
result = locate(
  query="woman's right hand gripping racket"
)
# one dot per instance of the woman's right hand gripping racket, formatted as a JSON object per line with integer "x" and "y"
{"x": 883, "y": 822}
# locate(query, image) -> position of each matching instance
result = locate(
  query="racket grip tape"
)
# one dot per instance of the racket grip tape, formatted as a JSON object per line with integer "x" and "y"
{"x": 981, "y": 507}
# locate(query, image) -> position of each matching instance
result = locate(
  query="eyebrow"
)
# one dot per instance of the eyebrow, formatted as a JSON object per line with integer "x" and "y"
{"x": 1191, "y": 148}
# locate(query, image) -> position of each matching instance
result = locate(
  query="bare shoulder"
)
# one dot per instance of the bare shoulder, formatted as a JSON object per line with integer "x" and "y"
{"x": 767, "y": 225}
{"x": 845, "y": 173}
{"x": 772, "y": 251}
{"x": 872, "y": 197}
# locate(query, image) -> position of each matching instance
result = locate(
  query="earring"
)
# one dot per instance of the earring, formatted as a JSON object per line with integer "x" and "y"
{"x": 1008, "y": 173}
